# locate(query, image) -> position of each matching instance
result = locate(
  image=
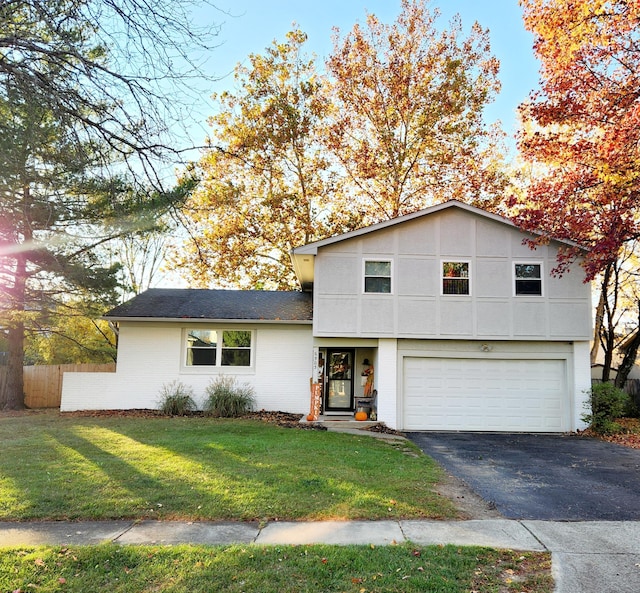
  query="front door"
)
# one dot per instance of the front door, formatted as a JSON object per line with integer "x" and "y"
{"x": 339, "y": 390}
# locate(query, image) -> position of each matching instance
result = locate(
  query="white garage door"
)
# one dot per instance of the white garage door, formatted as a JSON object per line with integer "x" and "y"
{"x": 484, "y": 395}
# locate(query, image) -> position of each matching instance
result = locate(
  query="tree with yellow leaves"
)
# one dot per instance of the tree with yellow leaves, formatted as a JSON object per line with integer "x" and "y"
{"x": 394, "y": 125}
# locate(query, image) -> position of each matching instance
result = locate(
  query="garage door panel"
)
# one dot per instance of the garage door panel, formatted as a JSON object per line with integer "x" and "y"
{"x": 480, "y": 394}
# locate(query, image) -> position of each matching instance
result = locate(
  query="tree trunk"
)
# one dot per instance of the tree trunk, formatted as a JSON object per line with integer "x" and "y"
{"x": 607, "y": 325}
{"x": 608, "y": 361}
{"x": 628, "y": 361}
{"x": 597, "y": 330}
{"x": 630, "y": 356}
{"x": 13, "y": 396}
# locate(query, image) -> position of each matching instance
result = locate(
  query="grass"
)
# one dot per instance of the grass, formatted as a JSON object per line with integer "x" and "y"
{"x": 62, "y": 467}
{"x": 55, "y": 467}
{"x": 262, "y": 569}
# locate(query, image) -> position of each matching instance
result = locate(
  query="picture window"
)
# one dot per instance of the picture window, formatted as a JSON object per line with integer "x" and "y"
{"x": 219, "y": 348}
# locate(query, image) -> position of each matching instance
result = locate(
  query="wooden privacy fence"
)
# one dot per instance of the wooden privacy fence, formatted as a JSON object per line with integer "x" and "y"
{"x": 43, "y": 384}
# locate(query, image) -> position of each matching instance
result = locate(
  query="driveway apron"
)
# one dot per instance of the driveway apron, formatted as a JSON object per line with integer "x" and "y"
{"x": 542, "y": 477}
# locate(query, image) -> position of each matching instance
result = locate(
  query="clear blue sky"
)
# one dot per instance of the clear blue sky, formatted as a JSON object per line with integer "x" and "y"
{"x": 251, "y": 25}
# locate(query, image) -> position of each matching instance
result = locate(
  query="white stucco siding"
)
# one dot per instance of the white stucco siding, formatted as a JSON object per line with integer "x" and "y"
{"x": 283, "y": 369}
{"x": 387, "y": 382}
{"x": 90, "y": 391}
{"x": 151, "y": 355}
{"x": 148, "y": 357}
{"x": 581, "y": 383}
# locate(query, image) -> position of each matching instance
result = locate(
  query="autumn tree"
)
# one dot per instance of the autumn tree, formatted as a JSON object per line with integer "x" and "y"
{"x": 72, "y": 333}
{"x": 407, "y": 126}
{"x": 264, "y": 180}
{"x": 296, "y": 155}
{"x": 581, "y": 135}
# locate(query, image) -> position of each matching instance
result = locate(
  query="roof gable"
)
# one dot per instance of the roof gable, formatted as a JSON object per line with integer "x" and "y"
{"x": 216, "y": 305}
{"x": 303, "y": 256}
{"x": 312, "y": 248}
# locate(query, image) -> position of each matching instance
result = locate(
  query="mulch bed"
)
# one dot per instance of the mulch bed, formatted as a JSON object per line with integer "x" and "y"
{"x": 142, "y": 413}
{"x": 384, "y": 429}
{"x": 284, "y": 419}
{"x": 280, "y": 418}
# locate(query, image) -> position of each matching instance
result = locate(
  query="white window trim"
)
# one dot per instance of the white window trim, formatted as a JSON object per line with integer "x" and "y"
{"x": 528, "y": 262}
{"x": 364, "y": 276}
{"x": 203, "y": 369}
{"x": 455, "y": 261}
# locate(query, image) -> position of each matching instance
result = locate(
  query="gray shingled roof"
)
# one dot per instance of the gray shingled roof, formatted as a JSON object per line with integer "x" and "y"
{"x": 257, "y": 305}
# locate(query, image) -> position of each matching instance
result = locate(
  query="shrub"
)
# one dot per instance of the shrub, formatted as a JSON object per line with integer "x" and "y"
{"x": 606, "y": 403}
{"x": 225, "y": 398}
{"x": 176, "y": 399}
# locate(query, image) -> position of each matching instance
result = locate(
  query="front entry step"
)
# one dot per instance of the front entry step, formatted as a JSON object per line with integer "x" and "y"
{"x": 341, "y": 422}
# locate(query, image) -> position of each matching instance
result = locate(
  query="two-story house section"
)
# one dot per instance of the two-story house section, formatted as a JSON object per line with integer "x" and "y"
{"x": 462, "y": 324}
{"x": 440, "y": 320}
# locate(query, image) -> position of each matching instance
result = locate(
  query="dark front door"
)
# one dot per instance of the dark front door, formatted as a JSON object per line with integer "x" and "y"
{"x": 339, "y": 390}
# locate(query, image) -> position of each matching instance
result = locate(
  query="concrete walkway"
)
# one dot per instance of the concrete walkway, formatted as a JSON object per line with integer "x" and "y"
{"x": 588, "y": 557}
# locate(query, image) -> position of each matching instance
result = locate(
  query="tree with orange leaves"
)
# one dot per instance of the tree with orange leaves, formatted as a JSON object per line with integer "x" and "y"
{"x": 407, "y": 125}
{"x": 581, "y": 135}
{"x": 297, "y": 155}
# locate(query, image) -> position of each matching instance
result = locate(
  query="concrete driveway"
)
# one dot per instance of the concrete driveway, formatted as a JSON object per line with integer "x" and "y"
{"x": 542, "y": 477}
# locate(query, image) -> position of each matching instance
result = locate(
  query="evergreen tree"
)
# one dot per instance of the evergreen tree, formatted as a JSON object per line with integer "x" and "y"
{"x": 81, "y": 109}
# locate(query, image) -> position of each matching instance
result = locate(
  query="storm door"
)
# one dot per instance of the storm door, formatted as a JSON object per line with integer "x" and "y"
{"x": 339, "y": 390}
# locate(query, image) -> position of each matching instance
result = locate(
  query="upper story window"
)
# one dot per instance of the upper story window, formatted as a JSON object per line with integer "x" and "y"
{"x": 528, "y": 279}
{"x": 377, "y": 276}
{"x": 219, "y": 348}
{"x": 455, "y": 277}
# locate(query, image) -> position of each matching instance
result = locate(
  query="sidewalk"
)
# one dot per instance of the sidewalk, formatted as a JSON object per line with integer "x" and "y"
{"x": 588, "y": 557}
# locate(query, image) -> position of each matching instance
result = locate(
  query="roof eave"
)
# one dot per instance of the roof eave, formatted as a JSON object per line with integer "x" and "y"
{"x": 121, "y": 318}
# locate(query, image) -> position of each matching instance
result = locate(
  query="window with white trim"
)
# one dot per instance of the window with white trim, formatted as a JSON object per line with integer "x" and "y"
{"x": 528, "y": 279}
{"x": 377, "y": 276}
{"x": 219, "y": 348}
{"x": 455, "y": 277}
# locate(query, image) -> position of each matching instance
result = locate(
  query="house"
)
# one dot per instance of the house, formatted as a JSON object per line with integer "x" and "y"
{"x": 439, "y": 320}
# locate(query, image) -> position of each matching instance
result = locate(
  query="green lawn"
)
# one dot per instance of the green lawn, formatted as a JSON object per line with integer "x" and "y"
{"x": 61, "y": 467}
{"x": 272, "y": 569}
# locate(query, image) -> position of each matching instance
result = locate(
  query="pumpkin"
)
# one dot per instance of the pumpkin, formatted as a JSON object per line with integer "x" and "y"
{"x": 311, "y": 418}
{"x": 361, "y": 415}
